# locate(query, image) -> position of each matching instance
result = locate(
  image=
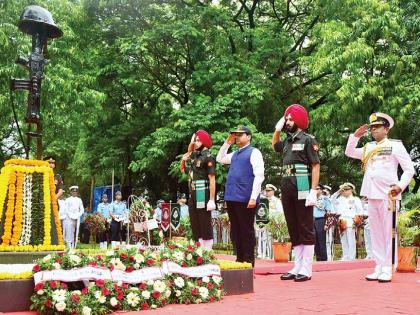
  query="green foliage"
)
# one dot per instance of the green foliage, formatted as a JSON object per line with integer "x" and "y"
{"x": 131, "y": 80}
{"x": 277, "y": 226}
{"x": 409, "y": 228}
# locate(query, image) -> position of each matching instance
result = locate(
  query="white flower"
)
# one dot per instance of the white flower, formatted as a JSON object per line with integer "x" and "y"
{"x": 198, "y": 301}
{"x": 145, "y": 294}
{"x": 179, "y": 282}
{"x": 46, "y": 258}
{"x": 189, "y": 256}
{"x": 119, "y": 283}
{"x": 160, "y": 235}
{"x": 159, "y": 286}
{"x": 102, "y": 299}
{"x": 40, "y": 292}
{"x": 179, "y": 256}
{"x": 109, "y": 253}
{"x": 190, "y": 284}
{"x": 56, "y": 265}
{"x": 136, "y": 266}
{"x": 168, "y": 293}
{"x": 60, "y": 306}
{"x": 153, "y": 306}
{"x": 113, "y": 301}
{"x": 199, "y": 251}
{"x": 178, "y": 293}
{"x": 206, "y": 279}
{"x": 71, "y": 252}
{"x": 98, "y": 294}
{"x": 86, "y": 310}
{"x": 150, "y": 282}
{"x": 204, "y": 293}
{"x": 76, "y": 292}
{"x": 74, "y": 258}
{"x": 117, "y": 263}
{"x": 217, "y": 279}
{"x": 59, "y": 295}
{"x": 133, "y": 299}
{"x": 139, "y": 258}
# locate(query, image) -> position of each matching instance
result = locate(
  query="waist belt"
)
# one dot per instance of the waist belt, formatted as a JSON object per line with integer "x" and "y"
{"x": 199, "y": 184}
{"x": 294, "y": 170}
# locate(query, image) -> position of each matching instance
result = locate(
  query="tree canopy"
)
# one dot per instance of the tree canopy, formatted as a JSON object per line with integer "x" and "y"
{"x": 131, "y": 80}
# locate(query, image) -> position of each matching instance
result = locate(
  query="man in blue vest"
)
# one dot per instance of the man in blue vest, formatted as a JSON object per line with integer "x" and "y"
{"x": 242, "y": 190}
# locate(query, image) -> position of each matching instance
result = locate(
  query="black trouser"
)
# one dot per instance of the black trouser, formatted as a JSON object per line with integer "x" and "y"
{"x": 320, "y": 239}
{"x": 242, "y": 227}
{"x": 200, "y": 219}
{"x": 300, "y": 219}
{"x": 115, "y": 231}
{"x": 84, "y": 234}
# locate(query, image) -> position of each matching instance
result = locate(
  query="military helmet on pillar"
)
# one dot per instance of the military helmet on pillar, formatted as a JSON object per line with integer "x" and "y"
{"x": 35, "y": 19}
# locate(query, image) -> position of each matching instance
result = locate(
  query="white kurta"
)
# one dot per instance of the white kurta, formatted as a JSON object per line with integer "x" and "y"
{"x": 381, "y": 173}
{"x": 73, "y": 210}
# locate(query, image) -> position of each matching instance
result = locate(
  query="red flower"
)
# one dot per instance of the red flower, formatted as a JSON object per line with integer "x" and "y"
{"x": 187, "y": 302}
{"x": 198, "y": 244}
{"x": 172, "y": 246}
{"x": 194, "y": 291}
{"x": 111, "y": 267}
{"x": 61, "y": 254}
{"x": 150, "y": 262}
{"x": 53, "y": 285}
{"x": 124, "y": 286}
{"x": 209, "y": 285}
{"x": 190, "y": 248}
{"x": 36, "y": 268}
{"x": 39, "y": 286}
{"x": 123, "y": 256}
{"x": 129, "y": 269}
{"x": 85, "y": 291}
{"x": 100, "y": 283}
{"x": 184, "y": 264}
{"x": 116, "y": 287}
{"x": 142, "y": 286}
{"x": 212, "y": 298}
{"x": 48, "y": 303}
{"x": 163, "y": 302}
{"x": 131, "y": 258}
{"x": 64, "y": 285}
{"x": 99, "y": 257}
{"x": 144, "y": 306}
{"x": 120, "y": 295}
{"x": 156, "y": 294}
{"x": 105, "y": 291}
{"x": 92, "y": 263}
{"x": 199, "y": 260}
{"x": 75, "y": 298}
{"x": 74, "y": 313}
{"x": 58, "y": 260}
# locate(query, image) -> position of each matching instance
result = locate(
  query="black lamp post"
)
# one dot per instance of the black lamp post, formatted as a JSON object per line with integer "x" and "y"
{"x": 37, "y": 22}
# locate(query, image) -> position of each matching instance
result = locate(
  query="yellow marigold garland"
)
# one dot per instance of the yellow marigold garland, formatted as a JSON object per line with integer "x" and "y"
{"x": 9, "y": 210}
{"x": 55, "y": 210}
{"x": 17, "y": 223}
{"x": 4, "y": 183}
{"x": 47, "y": 211}
{"x": 11, "y": 182}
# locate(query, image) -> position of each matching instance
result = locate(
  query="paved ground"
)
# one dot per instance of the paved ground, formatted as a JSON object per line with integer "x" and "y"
{"x": 329, "y": 292}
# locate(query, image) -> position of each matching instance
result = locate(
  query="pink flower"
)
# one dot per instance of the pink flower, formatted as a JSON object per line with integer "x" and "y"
{"x": 105, "y": 291}
{"x": 85, "y": 291}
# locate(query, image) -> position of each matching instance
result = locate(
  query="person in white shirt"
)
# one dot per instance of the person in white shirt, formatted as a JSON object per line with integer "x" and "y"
{"x": 347, "y": 205}
{"x": 380, "y": 161}
{"x": 242, "y": 190}
{"x": 74, "y": 209}
{"x": 274, "y": 204}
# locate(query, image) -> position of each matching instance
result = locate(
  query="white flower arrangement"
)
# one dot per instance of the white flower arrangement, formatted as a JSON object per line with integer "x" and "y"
{"x": 133, "y": 299}
{"x": 75, "y": 258}
{"x": 145, "y": 294}
{"x": 205, "y": 279}
{"x": 86, "y": 310}
{"x": 217, "y": 279}
{"x": 113, "y": 302}
{"x": 59, "y": 295}
{"x": 60, "y": 306}
{"x": 139, "y": 258}
{"x": 178, "y": 255}
{"x": 179, "y": 282}
{"x": 27, "y": 211}
{"x": 204, "y": 292}
{"x": 159, "y": 286}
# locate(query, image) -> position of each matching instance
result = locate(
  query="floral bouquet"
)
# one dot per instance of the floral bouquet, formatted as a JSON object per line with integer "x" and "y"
{"x": 331, "y": 220}
{"x": 95, "y": 223}
{"x": 188, "y": 254}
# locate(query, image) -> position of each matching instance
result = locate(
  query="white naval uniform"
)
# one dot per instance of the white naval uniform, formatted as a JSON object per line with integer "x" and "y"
{"x": 348, "y": 207}
{"x": 366, "y": 232}
{"x": 73, "y": 209}
{"x": 380, "y": 174}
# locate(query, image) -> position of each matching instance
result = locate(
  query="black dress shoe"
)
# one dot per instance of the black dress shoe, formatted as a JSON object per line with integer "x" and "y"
{"x": 288, "y": 276}
{"x": 301, "y": 278}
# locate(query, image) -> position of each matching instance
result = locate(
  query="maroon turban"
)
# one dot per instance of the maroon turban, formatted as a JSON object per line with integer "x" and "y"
{"x": 205, "y": 138}
{"x": 299, "y": 115}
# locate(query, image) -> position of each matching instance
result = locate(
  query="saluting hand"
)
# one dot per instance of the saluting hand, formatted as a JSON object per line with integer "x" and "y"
{"x": 395, "y": 190}
{"x": 361, "y": 131}
{"x": 230, "y": 139}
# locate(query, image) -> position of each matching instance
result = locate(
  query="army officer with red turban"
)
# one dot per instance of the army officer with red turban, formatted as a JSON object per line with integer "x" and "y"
{"x": 200, "y": 166}
{"x": 300, "y": 176}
